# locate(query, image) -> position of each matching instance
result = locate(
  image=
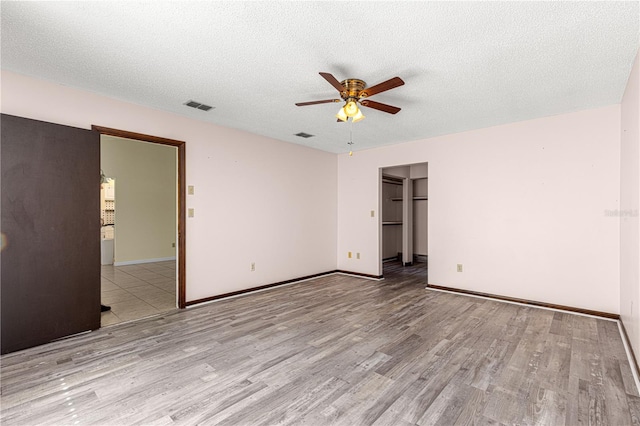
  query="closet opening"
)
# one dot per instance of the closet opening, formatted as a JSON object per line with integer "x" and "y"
{"x": 404, "y": 219}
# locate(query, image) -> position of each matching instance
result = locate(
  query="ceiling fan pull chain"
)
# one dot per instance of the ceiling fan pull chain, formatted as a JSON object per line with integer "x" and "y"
{"x": 350, "y": 139}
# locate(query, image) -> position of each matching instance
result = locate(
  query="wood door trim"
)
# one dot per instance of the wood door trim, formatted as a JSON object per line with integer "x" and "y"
{"x": 258, "y": 288}
{"x": 182, "y": 191}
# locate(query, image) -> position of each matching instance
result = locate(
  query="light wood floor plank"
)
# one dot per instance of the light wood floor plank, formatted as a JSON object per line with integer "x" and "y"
{"x": 334, "y": 350}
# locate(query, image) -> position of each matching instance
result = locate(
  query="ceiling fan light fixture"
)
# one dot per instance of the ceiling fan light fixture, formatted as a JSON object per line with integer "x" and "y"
{"x": 351, "y": 108}
{"x": 342, "y": 115}
{"x": 359, "y": 116}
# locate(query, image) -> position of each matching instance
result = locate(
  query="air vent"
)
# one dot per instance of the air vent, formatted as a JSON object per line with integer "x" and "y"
{"x": 304, "y": 135}
{"x": 198, "y": 105}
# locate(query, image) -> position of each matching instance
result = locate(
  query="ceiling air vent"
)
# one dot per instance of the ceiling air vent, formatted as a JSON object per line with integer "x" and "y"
{"x": 304, "y": 135}
{"x": 198, "y": 105}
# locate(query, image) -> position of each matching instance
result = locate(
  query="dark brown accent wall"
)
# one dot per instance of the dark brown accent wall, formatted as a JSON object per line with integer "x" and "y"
{"x": 50, "y": 220}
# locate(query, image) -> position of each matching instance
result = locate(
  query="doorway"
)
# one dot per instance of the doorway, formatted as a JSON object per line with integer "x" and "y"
{"x": 139, "y": 229}
{"x": 160, "y": 269}
{"x": 404, "y": 219}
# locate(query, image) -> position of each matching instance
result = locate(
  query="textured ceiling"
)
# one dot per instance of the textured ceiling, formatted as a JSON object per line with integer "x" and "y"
{"x": 466, "y": 65}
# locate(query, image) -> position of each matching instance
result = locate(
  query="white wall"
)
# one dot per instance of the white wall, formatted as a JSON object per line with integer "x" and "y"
{"x": 521, "y": 206}
{"x": 256, "y": 199}
{"x": 146, "y": 197}
{"x": 629, "y": 206}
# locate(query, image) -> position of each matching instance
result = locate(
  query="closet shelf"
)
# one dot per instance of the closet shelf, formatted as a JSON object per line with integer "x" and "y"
{"x": 414, "y": 198}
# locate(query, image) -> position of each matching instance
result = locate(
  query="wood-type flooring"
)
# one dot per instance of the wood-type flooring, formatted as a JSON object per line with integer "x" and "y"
{"x": 333, "y": 350}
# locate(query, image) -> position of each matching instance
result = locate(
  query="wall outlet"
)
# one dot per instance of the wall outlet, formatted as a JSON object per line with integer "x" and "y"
{"x": 173, "y": 245}
{"x": 349, "y": 254}
{"x": 253, "y": 266}
{"x": 373, "y": 213}
{"x": 357, "y": 255}
{"x": 459, "y": 267}
{"x": 190, "y": 212}
{"x": 190, "y": 190}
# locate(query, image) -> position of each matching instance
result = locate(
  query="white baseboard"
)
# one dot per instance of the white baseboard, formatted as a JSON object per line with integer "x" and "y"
{"x": 136, "y": 262}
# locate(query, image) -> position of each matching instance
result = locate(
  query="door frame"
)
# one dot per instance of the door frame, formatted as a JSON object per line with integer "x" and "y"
{"x": 405, "y": 179}
{"x": 182, "y": 193}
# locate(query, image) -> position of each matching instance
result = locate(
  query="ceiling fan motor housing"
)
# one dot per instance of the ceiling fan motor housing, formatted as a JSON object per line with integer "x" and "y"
{"x": 353, "y": 88}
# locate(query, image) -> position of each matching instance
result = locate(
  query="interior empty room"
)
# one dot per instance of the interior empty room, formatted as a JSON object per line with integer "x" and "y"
{"x": 390, "y": 213}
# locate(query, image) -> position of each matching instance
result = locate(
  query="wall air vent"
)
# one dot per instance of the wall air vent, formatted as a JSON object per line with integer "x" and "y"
{"x": 198, "y": 105}
{"x": 304, "y": 135}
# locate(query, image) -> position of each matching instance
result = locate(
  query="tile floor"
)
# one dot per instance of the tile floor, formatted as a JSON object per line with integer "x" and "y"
{"x": 137, "y": 291}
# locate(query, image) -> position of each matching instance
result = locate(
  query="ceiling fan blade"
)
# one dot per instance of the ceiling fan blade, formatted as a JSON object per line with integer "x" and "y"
{"x": 326, "y": 101}
{"x": 382, "y": 87}
{"x": 379, "y": 106}
{"x": 333, "y": 81}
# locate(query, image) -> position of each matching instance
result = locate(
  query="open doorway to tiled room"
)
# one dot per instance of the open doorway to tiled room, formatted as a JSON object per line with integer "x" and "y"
{"x": 137, "y": 291}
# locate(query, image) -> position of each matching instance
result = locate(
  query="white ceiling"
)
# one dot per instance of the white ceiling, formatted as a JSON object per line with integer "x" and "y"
{"x": 466, "y": 65}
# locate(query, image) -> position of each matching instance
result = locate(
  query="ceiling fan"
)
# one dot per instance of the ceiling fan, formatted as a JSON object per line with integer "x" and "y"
{"x": 354, "y": 92}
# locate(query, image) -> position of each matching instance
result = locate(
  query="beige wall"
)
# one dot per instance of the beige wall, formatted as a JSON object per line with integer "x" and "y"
{"x": 146, "y": 198}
